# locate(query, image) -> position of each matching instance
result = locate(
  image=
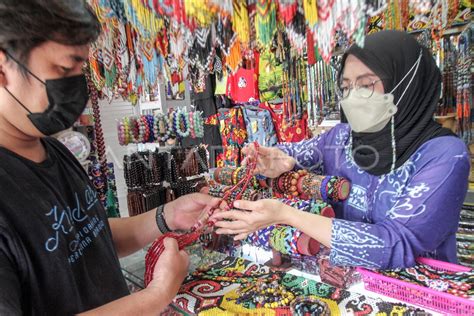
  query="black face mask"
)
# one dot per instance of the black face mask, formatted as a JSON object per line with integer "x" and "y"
{"x": 67, "y": 100}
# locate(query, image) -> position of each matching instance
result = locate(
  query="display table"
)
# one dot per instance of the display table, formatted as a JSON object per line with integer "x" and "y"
{"x": 207, "y": 297}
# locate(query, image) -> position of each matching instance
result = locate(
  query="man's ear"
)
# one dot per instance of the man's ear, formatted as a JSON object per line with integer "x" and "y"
{"x": 3, "y": 61}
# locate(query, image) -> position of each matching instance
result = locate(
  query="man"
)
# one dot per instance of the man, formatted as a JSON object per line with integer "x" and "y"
{"x": 58, "y": 252}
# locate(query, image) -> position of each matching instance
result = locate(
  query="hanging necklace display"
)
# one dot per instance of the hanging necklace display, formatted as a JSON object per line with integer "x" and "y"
{"x": 463, "y": 88}
{"x": 147, "y": 22}
{"x": 376, "y": 7}
{"x": 122, "y": 59}
{"x": 332, "y": 14}
{"x": 152, "y": 62}
{"x": 95, "y": 64}
{"x": 241, "y": 22}
{"x": 200, "y": 56}
{"x": 108, "y": 58}
{"x": 224, "y": 7}
{"x": 296, "y": 31}
{"x": 99, "y": 142}
{"x": 287, "y": 10}
{"x": 265, "y": 22}
{"x": 311, "y": 12}
{"x": 225, "y": 36}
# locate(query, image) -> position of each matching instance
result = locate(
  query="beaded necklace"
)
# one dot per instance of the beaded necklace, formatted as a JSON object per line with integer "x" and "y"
{"x": 240, "y": 21}
{"x": 287, "y": 9}
{"x": 265, "y": 22}
{"x": 311, "y": 12}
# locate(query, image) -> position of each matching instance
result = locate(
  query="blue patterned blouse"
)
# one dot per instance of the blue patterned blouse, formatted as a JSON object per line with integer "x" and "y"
{"x": 390, "y": 220}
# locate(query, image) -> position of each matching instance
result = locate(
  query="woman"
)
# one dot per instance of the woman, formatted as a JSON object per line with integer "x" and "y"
{"x": 408, "y": 174}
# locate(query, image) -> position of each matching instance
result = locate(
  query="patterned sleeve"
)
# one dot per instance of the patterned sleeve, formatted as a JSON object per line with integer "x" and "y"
{"x": 309, "y": 153}
{"x": 425, "y": 212}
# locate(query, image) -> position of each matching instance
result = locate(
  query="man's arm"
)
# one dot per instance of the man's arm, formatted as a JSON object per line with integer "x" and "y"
{"x": 170, "y": 271}
{"x": 150, "y": 301}
{"x": 134, "y": 233}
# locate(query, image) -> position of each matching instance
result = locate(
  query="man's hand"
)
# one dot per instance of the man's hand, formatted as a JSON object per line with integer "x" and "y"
{"x": 182, "y": 213}
{"x": 170, "y": 270}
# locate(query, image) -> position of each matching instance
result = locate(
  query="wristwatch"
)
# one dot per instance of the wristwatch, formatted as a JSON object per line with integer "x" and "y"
{"x": 160, "y": 220}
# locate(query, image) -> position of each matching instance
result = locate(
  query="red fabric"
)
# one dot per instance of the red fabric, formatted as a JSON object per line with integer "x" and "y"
{"x": 311, "y": 51}
{"x": 175, "y": 78}
{"x": 287, "y": 133}
{"x": 288, "y": 12}
{"x": 242, "y": 86}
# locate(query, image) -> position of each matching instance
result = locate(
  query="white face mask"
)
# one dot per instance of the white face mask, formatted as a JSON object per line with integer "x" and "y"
{"x": 370, "y": 115}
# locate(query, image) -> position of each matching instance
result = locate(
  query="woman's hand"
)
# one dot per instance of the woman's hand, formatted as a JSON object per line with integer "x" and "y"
{"x": 183, "y": 213}
{"x": 271, "y": 162}
{"x": 251, "y": 217}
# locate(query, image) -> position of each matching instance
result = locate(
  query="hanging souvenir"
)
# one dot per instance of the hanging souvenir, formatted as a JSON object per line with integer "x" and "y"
{"x": 234, "y": 59}
{"x": 287, "y": 10}
{"x": 119, "y": 10}
{"x": 240, "y": 21}
{"x": 332, "y": 15}
{"x": 311, "y": 12}
{"x": 198, "y": 11}
{"x": 376, "y": 7}
{"x": 152, "y": 62}
{"x": 225, "y": 36}
{"x": 224, "y": 7}
{"x": 122, "y": 59}
{"x": 143, "y": 18}
{"x": 164, "y": 7}
{"x": 265, "y": 22}
{"x": 96, "y": 66}
{"x": 296, "y": 32}
{"x": 108, "y": 58}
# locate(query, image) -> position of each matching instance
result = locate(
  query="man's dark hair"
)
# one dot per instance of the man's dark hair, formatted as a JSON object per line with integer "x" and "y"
{"x": 25, "y": 24}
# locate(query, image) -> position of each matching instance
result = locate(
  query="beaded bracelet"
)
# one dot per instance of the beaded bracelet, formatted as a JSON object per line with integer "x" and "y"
{"x": 166, "y": 132}
{"x": 121, "y": 132}
{"x": 151, "y": 121}
{"x": 145, "y": 129}
{"x": 309, "y": 305}
{"x": 324, "y": 188}
{"x": 217, "y": 172}
{"x": 126, "y": 130}
{"x": 134, "y": 124}
{"x": 235, "y": 175}
{"x": 181, "y": 118}
{"x": 191, "y": 125}
{"x": 156, "y": 132}
{"x": 199, "y": 124}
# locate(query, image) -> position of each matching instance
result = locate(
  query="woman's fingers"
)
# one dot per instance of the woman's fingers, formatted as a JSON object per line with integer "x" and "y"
{"x": 234, "y": 225}
{"x": 241, "y": 236}
{"x": 228, "y": 231}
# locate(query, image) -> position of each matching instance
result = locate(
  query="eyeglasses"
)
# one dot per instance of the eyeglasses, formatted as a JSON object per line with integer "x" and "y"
{"x": 364, "y": 86}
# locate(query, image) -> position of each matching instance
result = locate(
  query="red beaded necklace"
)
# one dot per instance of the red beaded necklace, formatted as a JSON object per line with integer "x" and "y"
{"x": 184, "y": 240}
